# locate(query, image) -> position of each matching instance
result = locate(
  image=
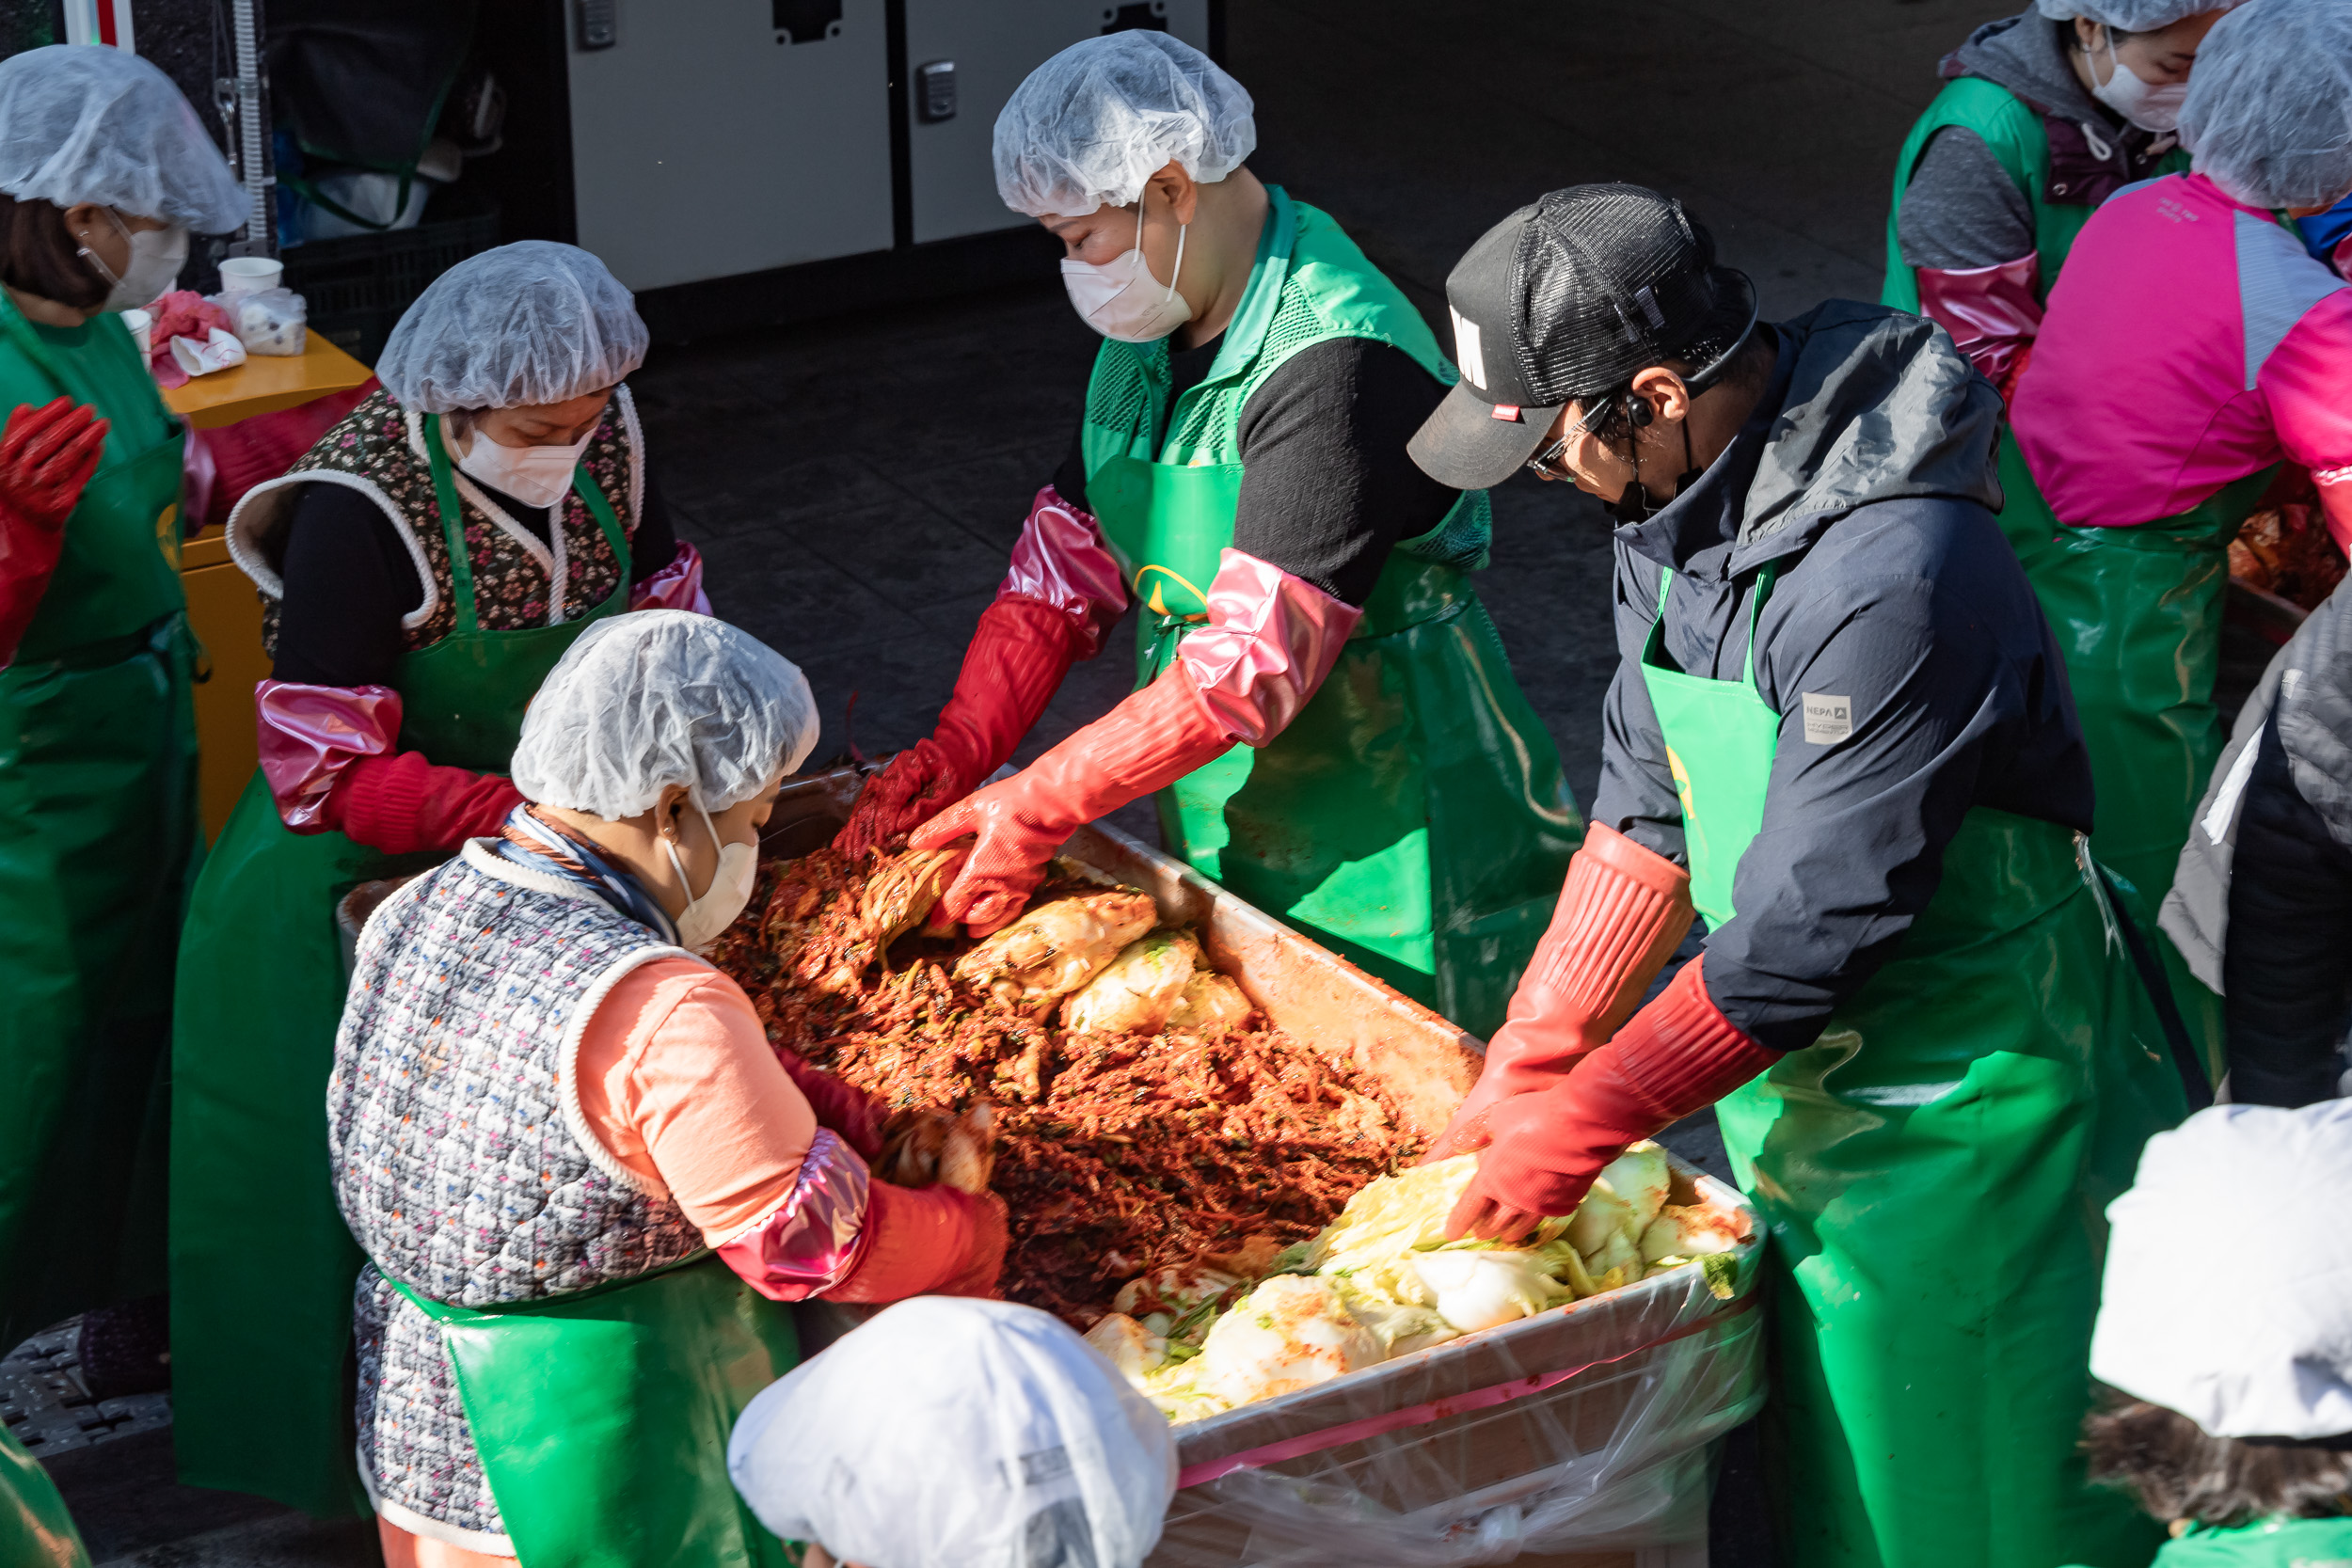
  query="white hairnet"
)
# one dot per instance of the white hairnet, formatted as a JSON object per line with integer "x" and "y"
{"x": 2268, "y": 116}
{"x": 2132, "y": 16}
{"x": 83, "y": 122}
{"x": 1097, "y": 120}
{"x": 529, "y": 323}
{"x": 949, "y": 1433}
{"x": 2228, "y": 1276}
{"x": 662, "y": 697}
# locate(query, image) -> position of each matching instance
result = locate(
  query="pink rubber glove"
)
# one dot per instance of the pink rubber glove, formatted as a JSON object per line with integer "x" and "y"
{"x": 1678, "y": 1055}
{"x": 1622, "y": 912}
{"x": 403, "y": 803}
{"x": 1149, "y": 741}
{"x": 47, "y": 456}
{"x": 854, "y": 1115}
{"x": 1016, "y": 661}
{"x": 927, "y": 1241}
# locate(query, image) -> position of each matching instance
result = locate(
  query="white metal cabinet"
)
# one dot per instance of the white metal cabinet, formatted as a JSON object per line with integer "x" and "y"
{"x": 994, "y": 44}
{"x": 706, "y": 145}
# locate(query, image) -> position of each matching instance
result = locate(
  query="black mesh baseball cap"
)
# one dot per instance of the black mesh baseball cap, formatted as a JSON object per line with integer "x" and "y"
{"x": 1563, "y": 301}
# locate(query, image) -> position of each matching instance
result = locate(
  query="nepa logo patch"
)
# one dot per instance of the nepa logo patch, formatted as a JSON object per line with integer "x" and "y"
{"x": 1828, "y": 720}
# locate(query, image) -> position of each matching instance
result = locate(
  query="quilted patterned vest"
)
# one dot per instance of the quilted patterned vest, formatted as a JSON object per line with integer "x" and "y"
{"x": 461, "y": 1161}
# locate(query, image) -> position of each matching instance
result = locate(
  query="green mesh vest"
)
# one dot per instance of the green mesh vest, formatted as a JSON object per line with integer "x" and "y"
{"x": 1308, "y": 284}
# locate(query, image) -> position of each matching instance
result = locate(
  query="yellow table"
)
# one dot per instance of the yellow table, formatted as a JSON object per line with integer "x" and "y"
{"x": 224, "y": 607}
{"x": 225, "y": 612}
{"x": 263, "y": 385}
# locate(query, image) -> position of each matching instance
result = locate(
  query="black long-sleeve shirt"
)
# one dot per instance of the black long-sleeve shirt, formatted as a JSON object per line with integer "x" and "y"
{"x": 349, "y": 578}
{"x": 1326, "y": 489}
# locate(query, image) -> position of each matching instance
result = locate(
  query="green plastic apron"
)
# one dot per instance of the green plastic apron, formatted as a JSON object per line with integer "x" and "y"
{"x": 98, "y": 844}
{"x": 35, "y": 1531}
{"x": 1934, "y": 1171}
{"x": 2264, "y": 1544}
{"x": 602, "y": 1416}
{"x": 261, "y": 1264}
{"x": 2137, "y": 614}
{"x": 1412, "y": 816}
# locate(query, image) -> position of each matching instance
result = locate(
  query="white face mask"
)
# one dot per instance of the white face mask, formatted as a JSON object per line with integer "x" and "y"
{"x": 536, "y": 476}
{"x": 1115, "y": 297}
{"x": 2149, "y": 105}
{"x": 156, "y": 257}
{"x": 704, "y": 919}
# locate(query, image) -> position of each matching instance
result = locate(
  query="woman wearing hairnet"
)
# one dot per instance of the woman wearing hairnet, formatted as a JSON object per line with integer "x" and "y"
{"x": 958, "y": 1434}
{"x": 2045, "y": 116}
{"x": 2192, "y": 345}
{"x": 422, "y": 569}
{"x": 2230, "y": 1411}
{"x": 606, "y": 1121}
{"x": 1321, "y": 697}
{"x": 104, "y": 170}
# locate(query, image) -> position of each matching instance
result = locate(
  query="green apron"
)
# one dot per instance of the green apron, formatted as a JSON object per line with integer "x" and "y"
{"x": 1412, "y": 815}
{"x": 601, "y": 1418}
{"x": 2138, "y": 616}
{"x": 261, "y": 1264}
{"x": 1934, "y": 1170}
{"x": 2264, "y": 1544}
{"x": 98, "y": 844}
{"x": 36, "y": 1531}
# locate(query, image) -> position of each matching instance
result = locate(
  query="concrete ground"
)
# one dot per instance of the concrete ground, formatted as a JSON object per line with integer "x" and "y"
{"x": 855, "y": 483}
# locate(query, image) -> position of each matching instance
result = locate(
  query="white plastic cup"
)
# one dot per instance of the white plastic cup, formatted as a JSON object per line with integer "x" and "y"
{"x": 139, "y": 321}
{"x": 249, "y": 275}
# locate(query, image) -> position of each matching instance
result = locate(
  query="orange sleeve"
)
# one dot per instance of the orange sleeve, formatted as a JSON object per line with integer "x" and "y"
{"x": 678, "y": 1082}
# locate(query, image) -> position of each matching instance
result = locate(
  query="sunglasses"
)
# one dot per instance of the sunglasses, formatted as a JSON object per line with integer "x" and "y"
{"x": 1545, "y": 464}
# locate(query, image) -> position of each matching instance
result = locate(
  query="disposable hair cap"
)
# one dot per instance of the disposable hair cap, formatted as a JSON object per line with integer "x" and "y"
{"x": 1096, "y": 122}
{"x": 2131, "y": 16}
{"x": 529, "y": 323}
{"x": 82, "y": 122}
{"x": 2268, "y": 116}
{"x": 949, "y": 1433}
{"x": 2269, "y": 1353}
{"x": 663, "y": 697}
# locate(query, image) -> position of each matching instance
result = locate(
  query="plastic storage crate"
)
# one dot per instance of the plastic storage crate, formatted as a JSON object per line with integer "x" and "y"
{"x": 355, "y": 288}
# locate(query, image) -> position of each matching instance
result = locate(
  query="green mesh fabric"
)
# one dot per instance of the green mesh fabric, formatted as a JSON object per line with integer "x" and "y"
{"x": 1328, "y": 291}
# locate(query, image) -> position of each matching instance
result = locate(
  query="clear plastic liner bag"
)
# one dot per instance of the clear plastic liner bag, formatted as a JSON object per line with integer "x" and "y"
{"x": 271, "y": 322}
{"x": 1585, "y": 1428}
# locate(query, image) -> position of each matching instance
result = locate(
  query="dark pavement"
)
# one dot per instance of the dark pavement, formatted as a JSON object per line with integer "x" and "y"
{"x": 855, "y": 483}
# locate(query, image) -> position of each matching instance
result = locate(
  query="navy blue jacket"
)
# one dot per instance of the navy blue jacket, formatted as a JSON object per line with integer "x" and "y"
{"x": 1867, "y": 471}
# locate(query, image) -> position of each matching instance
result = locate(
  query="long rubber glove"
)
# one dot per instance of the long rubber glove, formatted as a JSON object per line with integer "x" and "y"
{"x": 927, "y": 1241}
{"x": 403, "y": 803}
{"x": 1016, "y": 661}
{"x": 1623, "y": 910}
{"x": 47, "y": 455}
{"x": 1678, "y": 1055}
{"x": 1149, "y": 741}
{"x": 854, "y": 1115}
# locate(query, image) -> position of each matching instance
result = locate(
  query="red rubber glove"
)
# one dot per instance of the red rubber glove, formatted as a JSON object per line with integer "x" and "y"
{"x": 1678, "y": 1055}
{"x": 47, "y": 455}
{"x": 403, "y": 803}
{"x": 1622, "y": 912}
{"x": 1015, "y": 663}
{"x": 927, "y": 1241}
{"x": 1149, "y": 741}
{"x": 854, "y": 1115}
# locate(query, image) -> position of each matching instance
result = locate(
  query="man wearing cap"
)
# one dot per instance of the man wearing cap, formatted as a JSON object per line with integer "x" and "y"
{"x": 1321, "y": 701}
{"x": 1841, "y": 732}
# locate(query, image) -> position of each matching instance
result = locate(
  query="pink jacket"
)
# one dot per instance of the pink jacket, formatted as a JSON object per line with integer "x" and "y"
{"x": 2191, "y": 341}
